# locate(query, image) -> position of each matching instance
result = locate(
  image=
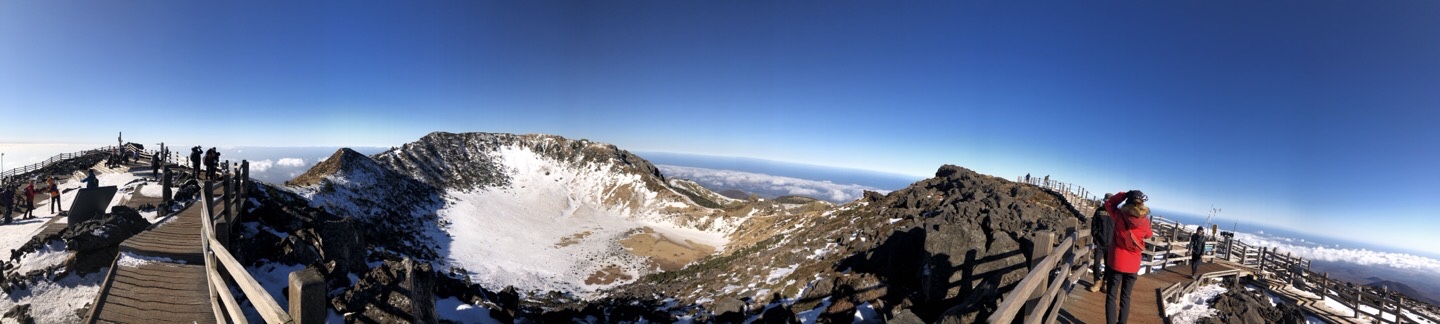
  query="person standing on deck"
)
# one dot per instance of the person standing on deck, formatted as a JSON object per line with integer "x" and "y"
{"x": 1102, "y": 230}
{"x": 1197, "y": 250}
{"x": 30, "y": 199}
{"x": 1131, "y": 229}
{"x": 54, "y": 195}
{"x": 155, "y": 165}
{"x": 8, "y": 203}
{"x": 212, "y": 161}
{"x": 195, "y": 160}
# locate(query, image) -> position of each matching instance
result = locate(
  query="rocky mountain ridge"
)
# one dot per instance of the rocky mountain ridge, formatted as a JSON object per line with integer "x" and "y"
{"x": 943, "y": 248}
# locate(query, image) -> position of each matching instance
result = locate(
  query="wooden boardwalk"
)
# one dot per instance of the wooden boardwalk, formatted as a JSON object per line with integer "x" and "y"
{"x": 1083, "y": 306}
{"x": 167, "y": 284}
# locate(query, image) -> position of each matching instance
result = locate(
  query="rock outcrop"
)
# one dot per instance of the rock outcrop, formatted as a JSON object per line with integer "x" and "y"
{"x": 1245, "y": 306}
{"x": 104, "y": 231}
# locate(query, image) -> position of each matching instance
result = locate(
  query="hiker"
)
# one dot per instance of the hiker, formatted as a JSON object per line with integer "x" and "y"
{"x": 212, "y": 159}
{"x": 1102, "y": 230}
{"x": 55, "y": 207}
{"x": 7, "y": 204}
{"x": 91, "y": 181}
{"x": 1197, "y": 250}
{"x": 155, "y": 166}
{"x": 30, "y": 199}
{"x": 1131, "y": 229}
{"x": 195, "y": 160}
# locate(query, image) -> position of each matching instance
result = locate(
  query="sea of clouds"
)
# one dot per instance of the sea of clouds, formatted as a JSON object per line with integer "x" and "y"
{"x": 767, "y": 185}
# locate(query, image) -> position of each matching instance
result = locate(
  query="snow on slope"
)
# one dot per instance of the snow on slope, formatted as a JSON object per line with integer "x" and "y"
{"x": 532, "y": 234}
{"x": 55, "y": 301}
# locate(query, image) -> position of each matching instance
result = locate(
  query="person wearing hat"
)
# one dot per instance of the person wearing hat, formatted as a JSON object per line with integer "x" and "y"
{"x": 1102, "y": 229}
{"x": 54, "y": 195}
{"x": 1132, "y": 227}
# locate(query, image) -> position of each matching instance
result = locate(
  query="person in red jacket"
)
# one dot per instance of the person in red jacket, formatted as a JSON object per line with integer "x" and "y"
{"x": 30, "y": 199}
{"x": 1132, "y": 227}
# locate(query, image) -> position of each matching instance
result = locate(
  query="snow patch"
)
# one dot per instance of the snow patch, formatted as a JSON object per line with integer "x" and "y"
{"x": 1194, "y": 305}
{"x": 56, "y": 301}
{"x": 452, "y": 309}
{"x": 128, "y": 259}
{"x": 50, "y": 255}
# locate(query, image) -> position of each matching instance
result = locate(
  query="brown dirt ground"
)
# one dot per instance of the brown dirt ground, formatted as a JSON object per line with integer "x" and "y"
{"x": 666, "y": 252}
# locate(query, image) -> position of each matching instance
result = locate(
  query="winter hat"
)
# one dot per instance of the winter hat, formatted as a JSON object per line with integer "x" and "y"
{"x": 1136, "y": 195}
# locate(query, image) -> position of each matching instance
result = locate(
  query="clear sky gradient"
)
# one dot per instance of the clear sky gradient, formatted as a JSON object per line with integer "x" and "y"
{"x": 1323, "y": 116}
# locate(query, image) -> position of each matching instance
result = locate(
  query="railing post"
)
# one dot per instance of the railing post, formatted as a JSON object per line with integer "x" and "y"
{"x": 1261, "y": 265}
{"x": 307, "y": 296}
{"x": 1358, "y": 297}
{"x": 229, "y": 196}
{"x": 165, "y": 195}
{"x": 221, "y": 228}
{"x": 1044, "y": 242}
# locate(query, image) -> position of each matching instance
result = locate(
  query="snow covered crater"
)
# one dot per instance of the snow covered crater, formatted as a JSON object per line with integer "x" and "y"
{"x": 564, "y": 227}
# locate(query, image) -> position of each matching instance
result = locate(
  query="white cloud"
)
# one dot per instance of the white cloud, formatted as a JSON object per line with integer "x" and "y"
{"x": 261, "y": 166}
{"x": 765, "y": 184}
{"x": 291, "y": 162}
{"x": 1312, "y": 251}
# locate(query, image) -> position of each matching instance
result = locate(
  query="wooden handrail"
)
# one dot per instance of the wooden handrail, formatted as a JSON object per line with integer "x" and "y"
{"x": 1013, "y": 301}
{"x": 217, "y": 258}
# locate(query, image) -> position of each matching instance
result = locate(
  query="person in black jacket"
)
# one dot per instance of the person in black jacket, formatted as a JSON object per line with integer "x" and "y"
{"x": 1197, "y": 249}
{"x": 1102, "y": 230}
{"x": 8, "y": 203}
{"x": 195, "y": 161}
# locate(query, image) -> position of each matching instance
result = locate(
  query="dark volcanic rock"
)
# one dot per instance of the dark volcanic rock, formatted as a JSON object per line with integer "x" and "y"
{"x": 968, "y": 245}
{"x": 104, "y": 231}
{"x": 20, "y": 314}
{"x": 391, "y": 292}
{"x": 1242, "y": 306}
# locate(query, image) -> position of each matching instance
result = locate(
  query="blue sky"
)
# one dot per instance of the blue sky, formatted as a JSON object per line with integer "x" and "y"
{"x": 1314, "y": 115}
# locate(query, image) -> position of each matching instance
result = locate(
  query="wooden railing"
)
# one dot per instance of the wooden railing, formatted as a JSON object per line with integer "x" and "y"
{"x": 1170, "y": 244}
{"x": 1054, "y": 271}
{"x": 6, "y": 176}
{"x": 1077, "y": 196}
{"x": 1288, "y": 270}
{"x": 215, "y": 236}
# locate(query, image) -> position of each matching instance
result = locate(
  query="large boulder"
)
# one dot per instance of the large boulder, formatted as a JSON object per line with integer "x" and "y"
{"x": 105, "y": 231}
{"x": 394, "y": 291}
{"x": 340, "y": 242}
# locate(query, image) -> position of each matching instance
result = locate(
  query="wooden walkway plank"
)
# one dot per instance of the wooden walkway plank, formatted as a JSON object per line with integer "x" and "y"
{"x": 1084, "y": 306}
{"x": 156, "y": 291}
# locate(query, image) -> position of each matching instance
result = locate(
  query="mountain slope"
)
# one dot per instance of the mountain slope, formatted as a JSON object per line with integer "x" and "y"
{"x": 388, "y": 203}
{"x": 537, "y": 212}
{"x": 1403, "y": 289}
{"x": 945, "y": 247}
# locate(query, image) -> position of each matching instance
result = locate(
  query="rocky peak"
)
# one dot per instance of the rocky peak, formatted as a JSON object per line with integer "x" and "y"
{"x": 465, "y": 161}
{"x": 343, "y": 161}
